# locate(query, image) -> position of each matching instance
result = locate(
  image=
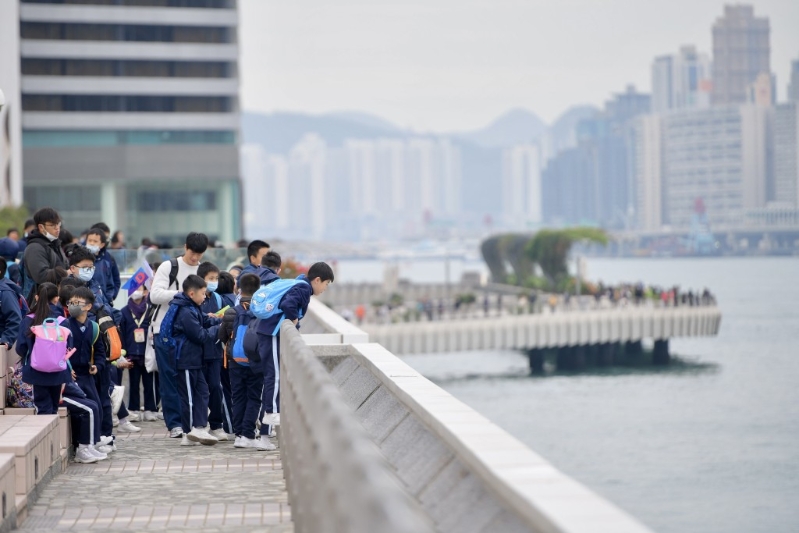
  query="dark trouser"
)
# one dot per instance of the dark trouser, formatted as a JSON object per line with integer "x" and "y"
{"x": 89, "y": 388}
{"x": 170, "y": 401}
{"x": 139, "y": 375}
{"x": 246, "y": 387}
{"x": 269, "y": 349}
{"x": 45, "y": 398}
{"x": 84, "y": 415}
{"x": 103, "y": 383}
{"x": 227, "y": 397}
{"x": 220, "y": 414}
{"x": 193, "y": 397}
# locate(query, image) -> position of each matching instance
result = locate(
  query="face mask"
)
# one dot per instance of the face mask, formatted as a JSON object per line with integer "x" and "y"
{"x": 75, "y": 310}
{"x": 86, "y": 273}
{"x": 212, "y": 285}
{"x": 137, "y": 295}
{"x": 93, "y": 249}
{"x": 49, "y": 237}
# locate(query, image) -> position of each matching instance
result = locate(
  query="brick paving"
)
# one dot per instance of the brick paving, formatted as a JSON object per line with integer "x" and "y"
{"x": 151, "y": 483}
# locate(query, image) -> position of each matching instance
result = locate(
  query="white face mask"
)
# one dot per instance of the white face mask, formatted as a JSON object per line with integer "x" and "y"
{"x": 49, "y": 237}
{"x": 137, "y": 295}
{"x": 93, "y": 249}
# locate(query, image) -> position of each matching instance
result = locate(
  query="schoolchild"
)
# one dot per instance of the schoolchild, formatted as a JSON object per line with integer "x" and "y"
{"x": 193, "y": 332}
{"x": 219, "y": 418}
{"x": 255, "y": 251}
{"x": 246, "y": 382}
{"x": 294, "y": 305}
{"x": 10, "y": 309}
{"x": 227, "y": 289}
{"x": 135, "y": 323}
{"x": 106, "y": 271}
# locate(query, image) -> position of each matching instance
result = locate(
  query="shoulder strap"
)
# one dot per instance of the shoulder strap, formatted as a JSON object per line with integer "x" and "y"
{"x": 95, "y": 336}
{"x": 218, "y": 300}
{"x": 173, "y": 272}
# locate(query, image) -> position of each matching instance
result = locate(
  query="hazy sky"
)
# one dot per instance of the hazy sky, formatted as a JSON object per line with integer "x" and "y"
{"x": 442, "y": 65}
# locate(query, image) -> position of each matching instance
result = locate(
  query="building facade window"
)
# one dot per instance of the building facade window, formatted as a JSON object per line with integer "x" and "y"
{"x": 125, "y": 32}
{"x": 68, "y": 198}
{"x": 152, "y": 202}
{"x": 56, "y": 138}
{"x": 151, "y": 69}
{"x": 202, "y": 4}
{"x": 127, "y": 104}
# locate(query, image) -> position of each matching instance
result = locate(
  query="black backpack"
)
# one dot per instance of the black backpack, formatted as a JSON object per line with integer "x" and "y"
{"x": 250, "y": 341}
{"x": 173, "y": 278}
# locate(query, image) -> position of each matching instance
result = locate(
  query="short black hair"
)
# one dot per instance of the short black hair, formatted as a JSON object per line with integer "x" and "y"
{"x": 3, "y": 268}
{"x": 66, "y": 237}
{"x": 46, "y": 215}
{"x": 11, "y": 230}
{"x": 84, "y": 293}
{"x": 226, "y": 283}
{"x": 206, "y": 268}
{"x": 255, "y": 246}
{"x": 97, "y": 230}
{"x": 193, "y": 282}
{"x": 249, "y": 283}
{"x": 65, "y": 292}
{"x": 77, "y": 253}
{"x": 29, "y": 223}
{"x": 320, "y": 270}
{"x": 197, "y": 242}
{"x": 271, "y": 260}
{"x": 56, "y": 275}
{"x": 101, "y": 226}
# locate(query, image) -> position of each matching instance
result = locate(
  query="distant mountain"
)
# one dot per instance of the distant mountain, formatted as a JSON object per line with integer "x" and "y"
{"x": 514, "y": 127}
{"x": 278, "y": 132}
{"x": 562, "y": 133}
{"x": 365, "y": 119}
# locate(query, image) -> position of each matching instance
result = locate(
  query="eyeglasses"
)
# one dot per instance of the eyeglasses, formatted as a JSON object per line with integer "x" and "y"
{"x": 56, "y": 225}
{"x": 73, "y": 302}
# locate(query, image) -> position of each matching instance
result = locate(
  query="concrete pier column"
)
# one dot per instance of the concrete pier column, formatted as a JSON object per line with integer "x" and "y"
{"x": 661, "y": 355}
{"x": 633, "y": 348}
{"x": 536, "y": 356}
{"x": 565, "y": 360}
{"x": 606, "y": 354}
{"x": 580, "y": 356}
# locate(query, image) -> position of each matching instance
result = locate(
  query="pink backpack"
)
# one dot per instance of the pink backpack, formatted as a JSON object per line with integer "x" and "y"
{"x": 50, "y": 349}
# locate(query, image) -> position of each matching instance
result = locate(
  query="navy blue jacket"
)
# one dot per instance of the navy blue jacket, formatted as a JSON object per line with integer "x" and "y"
{"x": 228, "y": 300}
{"x": 10, "y": 312}
{"x": 82, "y": 337}
{"x": 294, "y": 305}
{"x": 135, "y": 350}
{"x": 250, "y": 269}
{"x": 193, "y": 332}
{"x": 212, "y": 352}
{"x": 30, "y": 375}
{"x": 101, "y": 301}
{"x": 106, "y": 274}
{"x": 267, "y": 275}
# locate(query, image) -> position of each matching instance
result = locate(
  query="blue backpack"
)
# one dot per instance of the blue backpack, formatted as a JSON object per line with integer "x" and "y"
{"x": 165, "y": 337}
{"x": 240, "y": 354}
{"x": 266, "y": 300}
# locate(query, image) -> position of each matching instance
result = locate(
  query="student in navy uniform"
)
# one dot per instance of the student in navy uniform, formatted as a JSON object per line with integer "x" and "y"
{"x": 106, "y": 271}
{"x": 246, "y": 380}
{"x": 133, "y": 330}
{"x": 84, "y": 415}
{"x": 9, "y": 249}
{"x": 227, "y": 289}
{"x": 271, "y": 264}
{"x": 219, "y": 419}
{"x": 294, "y": 305}
{"x": 10, "y": 309}
{"x": 255, "y": 251}
{"x": 193, "y": 332}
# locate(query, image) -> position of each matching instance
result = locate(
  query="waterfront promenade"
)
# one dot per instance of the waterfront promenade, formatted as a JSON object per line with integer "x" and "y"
{"x": 151, "y": 483}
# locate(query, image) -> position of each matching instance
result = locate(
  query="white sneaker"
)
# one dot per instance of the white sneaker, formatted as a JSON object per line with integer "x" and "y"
{"x": 271, "y": 419}
{"x": 115, "y": 420}
{"x": 126, "y": 427}
{"x": 106, "y": 440}
{"x": 263, "y": 445}
{"x": 220, "y": 434}
{"x": 175, "y": 433}
{"x": 104, "y": 448}
{"x": 83, "y": 455}
{"x": 149, "y": 416}
{"x": 117, "y": 394}
{"x": 159, "y": 415}
{"x": 184, "y": 441}
{"x": 133, "y": 416}
{"x": 244, "y": 442}
{"x": 97, "y": 453}
{"x": 202, "y": 436}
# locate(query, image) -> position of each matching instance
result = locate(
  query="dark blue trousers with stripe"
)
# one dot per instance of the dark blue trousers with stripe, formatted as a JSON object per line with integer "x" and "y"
{"x": 193, "y": 393}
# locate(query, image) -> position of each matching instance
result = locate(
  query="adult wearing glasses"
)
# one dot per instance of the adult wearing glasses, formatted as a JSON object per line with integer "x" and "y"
{"x": 43, "y": 253}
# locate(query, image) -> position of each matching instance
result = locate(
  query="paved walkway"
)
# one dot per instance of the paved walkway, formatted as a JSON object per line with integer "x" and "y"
{"x": 151, "y": 483}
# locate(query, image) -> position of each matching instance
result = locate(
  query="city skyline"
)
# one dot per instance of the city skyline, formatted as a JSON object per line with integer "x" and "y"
{"x": 444, "y": 81}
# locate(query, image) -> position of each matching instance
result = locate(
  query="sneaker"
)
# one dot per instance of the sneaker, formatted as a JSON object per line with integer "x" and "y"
{"x": 263, "y": 445}
{"x": 83, "y": 455}
{"x": 97, "y": 453}
{"x": 149, "y": 416}
{"x": 105, "y": 448}
{"x": 244, "y": 442}
{"x": 159, "y": 415}
{"x": 175, "y": 433}
{"x": 184, "y": 441}
{"x": 133, "y": 416}
{"x": 271, "y": 419}
{"x": 202, "y": 436}
{"x": 126, "y": 427}
{"x": 220, "y": 434}
{"x": 117, "y": 394}
{"x": 115, "y": 420}
{"x": 106, "y": 440}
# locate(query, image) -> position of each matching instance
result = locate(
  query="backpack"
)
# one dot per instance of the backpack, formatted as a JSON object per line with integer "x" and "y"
{"x": 50, "y": 350}
{"x": 95, "y": 334}
{"x": 113, "y": 343}
{"x": 249, "y": 340}
{"x": 18, "y": 393}
{"x": 265, "y": 302}
{"x": 218, "y": 300}
{"x": 239, "y": 354}
{"x": 165, "y": 337}
{"x": 23, "y": 304}
{"x": 173, "y": 278}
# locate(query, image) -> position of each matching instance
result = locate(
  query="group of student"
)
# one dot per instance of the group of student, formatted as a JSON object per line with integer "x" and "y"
{"x": 193, "y": 317}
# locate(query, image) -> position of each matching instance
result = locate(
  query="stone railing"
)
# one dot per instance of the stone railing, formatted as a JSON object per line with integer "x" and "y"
{"x": 464, "y": 473}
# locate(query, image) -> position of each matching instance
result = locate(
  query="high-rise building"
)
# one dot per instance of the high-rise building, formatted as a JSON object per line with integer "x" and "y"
{"x": 647, "y": 149}
{"x": 11, "y": 114}
{"x": 130, "y": 114}
{"x": 793, "y": 86}
{"x": 741, "y": 51}
{"x": 681, "y": 81}
{"x": 521, "y": 186}
{"x": 786, "y": 154}
{"x": 305, "y": 196}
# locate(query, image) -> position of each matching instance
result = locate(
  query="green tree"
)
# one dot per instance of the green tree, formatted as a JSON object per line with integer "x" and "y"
{"x": 513, "y": 250}
{"x": 492, "y": 255}
{"x": 550, "y": 249}
{"x": 13, "y": 217}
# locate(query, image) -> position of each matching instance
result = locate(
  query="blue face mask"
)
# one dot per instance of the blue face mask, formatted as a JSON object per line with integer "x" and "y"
{"x": 212, "y": 285}
{"x": 86, "y": 273}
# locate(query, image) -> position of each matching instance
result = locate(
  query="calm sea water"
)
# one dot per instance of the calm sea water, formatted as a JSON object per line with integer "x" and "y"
{"x": 710, "y": 444}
